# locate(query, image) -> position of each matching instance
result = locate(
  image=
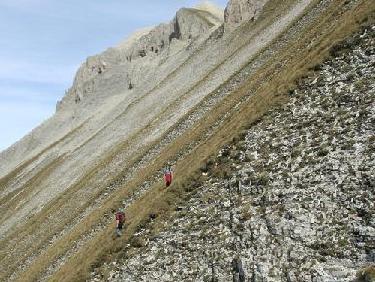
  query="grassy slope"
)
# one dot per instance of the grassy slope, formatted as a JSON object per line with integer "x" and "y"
{"x": 161, "y": 201}
{"x": 38, "y": 223}
{"x": 5, "y": 180}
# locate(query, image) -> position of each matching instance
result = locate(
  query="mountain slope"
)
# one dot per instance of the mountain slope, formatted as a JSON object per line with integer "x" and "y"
{"x": 297, "y": 198}
{"x": 183, "y": 115}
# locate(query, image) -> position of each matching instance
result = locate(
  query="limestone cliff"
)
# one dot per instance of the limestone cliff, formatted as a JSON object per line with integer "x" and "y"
{"x": 239, "y": 11}
{"x": 141, "y": 53}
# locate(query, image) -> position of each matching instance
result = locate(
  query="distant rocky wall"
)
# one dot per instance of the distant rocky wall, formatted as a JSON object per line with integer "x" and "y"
{"x": 187, "y": 25}
{"x": 239, "y": 11}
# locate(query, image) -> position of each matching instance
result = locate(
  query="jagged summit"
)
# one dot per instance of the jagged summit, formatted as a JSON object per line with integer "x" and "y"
{"x": 142, "y": 48}
{"x": 239, "y": 11}
{"x": 128, "y": 42}
{"x": 213, "y": 9}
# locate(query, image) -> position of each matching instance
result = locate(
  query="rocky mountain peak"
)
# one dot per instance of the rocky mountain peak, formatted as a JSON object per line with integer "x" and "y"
{"x": 192, "y": 22}
{"x": 211, "y": 8}
{"x": 239, "y": 11}
{"x": 141, "y": 50}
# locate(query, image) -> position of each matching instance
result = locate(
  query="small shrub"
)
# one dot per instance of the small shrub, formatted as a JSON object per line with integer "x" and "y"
{"x": 322, "y": 259}
{"x": 262, "y": 209}
{"x": 225, "y": 152}
{"x": 360, "y": 84}
{"x": 241, "y": 145}
{"x": 323, "y": 152}
{"x": 296, "y": 152}
{"x": 366, "y": 275}
{"x": 137, "y": 242}
{"x": 204, "y": 168}
{"x": 343, "y": 243}
{"x": 242, "y": 134}
{"x": 246, "y": 212}
{"x": 263, "y": 178}
{"x": 247, "y": 158}
{"x": 317, "y": 67}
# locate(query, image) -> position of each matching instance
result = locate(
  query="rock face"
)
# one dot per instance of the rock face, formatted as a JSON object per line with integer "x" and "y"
{"x": 297, "y": 203}
{"x": 239, "y": 11}
{"x": 136, "y": 55}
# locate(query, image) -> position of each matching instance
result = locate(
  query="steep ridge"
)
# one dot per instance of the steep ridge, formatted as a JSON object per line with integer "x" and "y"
{"x": 110, "y": 73}
{"x": 82, "y": 148}
{"x": 291, "y": 206}
{"x": 49, "y": 191}
{"x": 120, "y": 170}
{"x": 118, "y": 128}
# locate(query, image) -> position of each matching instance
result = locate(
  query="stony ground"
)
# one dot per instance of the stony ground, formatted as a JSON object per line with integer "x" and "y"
{"x": 293, "y": 200}
{"x": 186, "y": 123}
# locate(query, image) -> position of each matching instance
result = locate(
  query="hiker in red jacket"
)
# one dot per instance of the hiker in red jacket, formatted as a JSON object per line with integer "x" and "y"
{"x": 168, "y": 176}
{"x": 120, "y": 219}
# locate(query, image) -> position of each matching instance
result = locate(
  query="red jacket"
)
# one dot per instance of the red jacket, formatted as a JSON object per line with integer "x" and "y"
{"x": 120, "y": 216}
{"x": 168, "y": 177}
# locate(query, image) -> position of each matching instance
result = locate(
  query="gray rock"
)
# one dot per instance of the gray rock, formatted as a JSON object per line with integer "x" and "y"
{"x": 240, "y": 11}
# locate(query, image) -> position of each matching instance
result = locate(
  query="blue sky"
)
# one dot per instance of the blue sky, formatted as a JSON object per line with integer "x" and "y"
{"x": 43, "y": 42}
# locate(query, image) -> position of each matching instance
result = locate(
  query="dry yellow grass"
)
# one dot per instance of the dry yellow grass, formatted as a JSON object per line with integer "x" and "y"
{"x": 69, "y": 195}
{"x": 161, "y": 201}
{"x": 16, "y": 198}
{"x": 4, "y": 181}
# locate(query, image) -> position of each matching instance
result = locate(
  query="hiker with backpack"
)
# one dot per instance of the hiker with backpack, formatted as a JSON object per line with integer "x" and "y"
{"x": 120, "y": 220}
{"x": 168, "y": 175}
